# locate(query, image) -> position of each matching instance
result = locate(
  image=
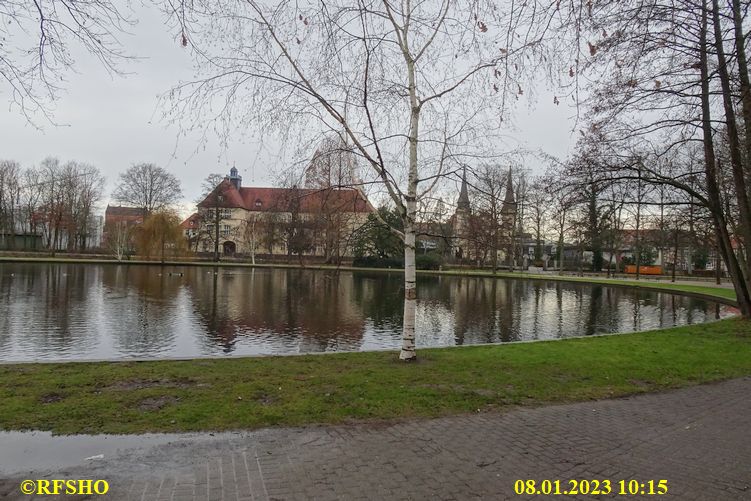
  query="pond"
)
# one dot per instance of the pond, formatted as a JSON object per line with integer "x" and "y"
{"x": 114, "y": 312}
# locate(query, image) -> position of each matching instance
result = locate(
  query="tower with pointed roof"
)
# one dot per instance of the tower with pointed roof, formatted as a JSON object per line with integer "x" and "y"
{"x": 508, "y": 209}
{"x": 461, "y": 219}
{"x": 463, "y": 214}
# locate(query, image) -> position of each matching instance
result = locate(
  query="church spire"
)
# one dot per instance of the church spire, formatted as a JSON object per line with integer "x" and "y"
{"x": 509, "y": 191}
{"x": 463, "y": 202}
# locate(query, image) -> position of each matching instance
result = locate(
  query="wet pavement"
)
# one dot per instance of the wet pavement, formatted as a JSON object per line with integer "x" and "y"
{"x": 697, "y": 439}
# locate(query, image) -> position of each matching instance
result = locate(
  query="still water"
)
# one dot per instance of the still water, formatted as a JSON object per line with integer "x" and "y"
{"x": 75, "y": 312}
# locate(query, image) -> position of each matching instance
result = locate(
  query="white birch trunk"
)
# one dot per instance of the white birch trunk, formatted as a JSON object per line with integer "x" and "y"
{"x": 410, "y": 283}
{"x": 410, "y": 288}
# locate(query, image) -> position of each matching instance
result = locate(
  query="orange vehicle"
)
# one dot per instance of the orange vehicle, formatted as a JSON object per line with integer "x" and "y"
{"x": 644, "y": 270}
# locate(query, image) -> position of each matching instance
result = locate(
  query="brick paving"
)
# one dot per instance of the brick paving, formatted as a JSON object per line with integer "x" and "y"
{"x": 697, "y": 438}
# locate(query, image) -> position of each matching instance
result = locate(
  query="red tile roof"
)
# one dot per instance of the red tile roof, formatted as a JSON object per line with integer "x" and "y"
{"x": 116, "y": 214}
{"x": 192, "y": 222}
{"x": 285, "y": 199}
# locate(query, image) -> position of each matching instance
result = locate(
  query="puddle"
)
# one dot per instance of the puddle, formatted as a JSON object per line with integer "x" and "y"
{"x": 40, "y": 450}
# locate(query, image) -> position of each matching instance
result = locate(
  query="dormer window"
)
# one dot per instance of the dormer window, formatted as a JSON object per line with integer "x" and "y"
{"x": 258, "y": 202}
{"x": 220, "y": 198}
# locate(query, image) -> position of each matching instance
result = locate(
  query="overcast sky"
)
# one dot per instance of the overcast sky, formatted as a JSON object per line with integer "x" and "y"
{"x": 113, "y": 122}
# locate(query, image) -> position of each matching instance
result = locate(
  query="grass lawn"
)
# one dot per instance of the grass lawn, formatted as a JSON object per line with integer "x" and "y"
{"x": 134, "y": 397}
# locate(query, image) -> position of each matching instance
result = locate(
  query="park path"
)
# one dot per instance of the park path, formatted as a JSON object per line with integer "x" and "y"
{"x": 695, "y": 438}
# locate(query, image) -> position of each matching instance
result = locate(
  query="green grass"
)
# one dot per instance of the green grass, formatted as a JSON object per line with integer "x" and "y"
{"x": 171, "y": 396}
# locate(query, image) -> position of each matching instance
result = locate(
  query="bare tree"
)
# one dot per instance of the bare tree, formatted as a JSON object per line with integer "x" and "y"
{"x": 408, "y": 85}
{"x": 666, "y": 76}
{"x": 36, "y": 46}
{"x": 10, "y": 194}
{"x": 537, "y": 213}
{"x": 120, "y": 238}
{"x": 148, "y": 187}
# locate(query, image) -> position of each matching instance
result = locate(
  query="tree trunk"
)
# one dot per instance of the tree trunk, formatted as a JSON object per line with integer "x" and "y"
{"x": 742, "y": 277}
{"x": 638, "y": 221}
{"x": 410, "y": 282}
{"x": 216, "y": 233}
{"x": 675, "y": 254}
{"x": 713, "y": 191}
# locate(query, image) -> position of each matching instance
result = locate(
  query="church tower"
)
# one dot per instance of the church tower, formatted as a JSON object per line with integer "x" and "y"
{"x": 508, "y": 209}
{"x": 461, "y": 220}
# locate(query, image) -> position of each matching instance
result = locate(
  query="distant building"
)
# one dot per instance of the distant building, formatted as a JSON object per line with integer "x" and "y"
{"x": 120, "y": 220}
{"x": 277, "y": 221}
{"x": 117, "y": 214}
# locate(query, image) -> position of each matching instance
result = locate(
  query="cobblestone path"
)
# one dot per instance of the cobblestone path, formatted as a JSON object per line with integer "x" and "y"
{"x": 698, "y": 439}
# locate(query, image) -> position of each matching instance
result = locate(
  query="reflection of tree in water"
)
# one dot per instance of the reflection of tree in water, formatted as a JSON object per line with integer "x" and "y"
{"x": 484, "y": 309}
{"x": 141, "y": 307}
{"x": 380, "y": 296}
{"x": 49, "y": 306}
{"x": 53, "y": 311}
{"x": 284, "y": 309}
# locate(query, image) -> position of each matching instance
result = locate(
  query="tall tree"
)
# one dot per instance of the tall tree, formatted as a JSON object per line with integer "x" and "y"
{"x": 666, "y": 75}
{"x": 408, "y": 84}
{"x": 148, "y": 187}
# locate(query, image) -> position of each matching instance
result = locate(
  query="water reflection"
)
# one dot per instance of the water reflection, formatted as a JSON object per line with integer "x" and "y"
{"x": 56, "y": 311}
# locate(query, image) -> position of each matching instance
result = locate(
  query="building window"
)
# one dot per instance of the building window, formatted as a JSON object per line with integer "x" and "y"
{"x": 258, "y": 202}
{"x": 226, "y": 229}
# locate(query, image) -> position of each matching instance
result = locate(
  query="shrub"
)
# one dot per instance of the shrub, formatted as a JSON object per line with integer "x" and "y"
{"x": 428, "y": 262}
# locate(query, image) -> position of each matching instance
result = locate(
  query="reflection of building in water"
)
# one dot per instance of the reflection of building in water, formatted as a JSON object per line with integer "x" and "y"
{"x": 284, "y": 310}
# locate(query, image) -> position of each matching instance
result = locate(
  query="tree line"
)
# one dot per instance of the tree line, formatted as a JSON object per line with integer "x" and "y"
{"x": 56, "y": 206}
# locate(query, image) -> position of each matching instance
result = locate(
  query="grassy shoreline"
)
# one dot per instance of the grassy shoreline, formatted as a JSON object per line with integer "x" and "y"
{"x": 248, "y": 393}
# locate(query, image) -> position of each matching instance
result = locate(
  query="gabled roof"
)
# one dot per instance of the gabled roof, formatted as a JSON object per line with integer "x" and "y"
{"x": 191, "y": 222}
{"x": 227, "y": 196}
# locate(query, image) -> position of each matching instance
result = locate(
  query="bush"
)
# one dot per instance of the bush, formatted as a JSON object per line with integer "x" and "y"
{"x": 428, "y": 262}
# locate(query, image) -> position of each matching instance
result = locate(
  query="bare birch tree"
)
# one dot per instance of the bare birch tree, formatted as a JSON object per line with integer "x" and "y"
{"x": 410, "y": 86}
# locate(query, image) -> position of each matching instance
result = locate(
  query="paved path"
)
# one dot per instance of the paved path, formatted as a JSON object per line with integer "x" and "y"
{"x": 698, "y": 439}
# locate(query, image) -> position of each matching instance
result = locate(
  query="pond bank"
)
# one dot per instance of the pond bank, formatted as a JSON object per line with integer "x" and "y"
{"x": 248, "y": 393}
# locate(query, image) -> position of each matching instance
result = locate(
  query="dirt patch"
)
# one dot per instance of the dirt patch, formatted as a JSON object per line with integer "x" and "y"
{"x": 462, "y": 389}
{"x": 150, "y": 404}
{"x": 265, "y": 399}
{"x": 641, "y": 383}
{"x": 51, "y": 398}
{"x": 139, "y": 384}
